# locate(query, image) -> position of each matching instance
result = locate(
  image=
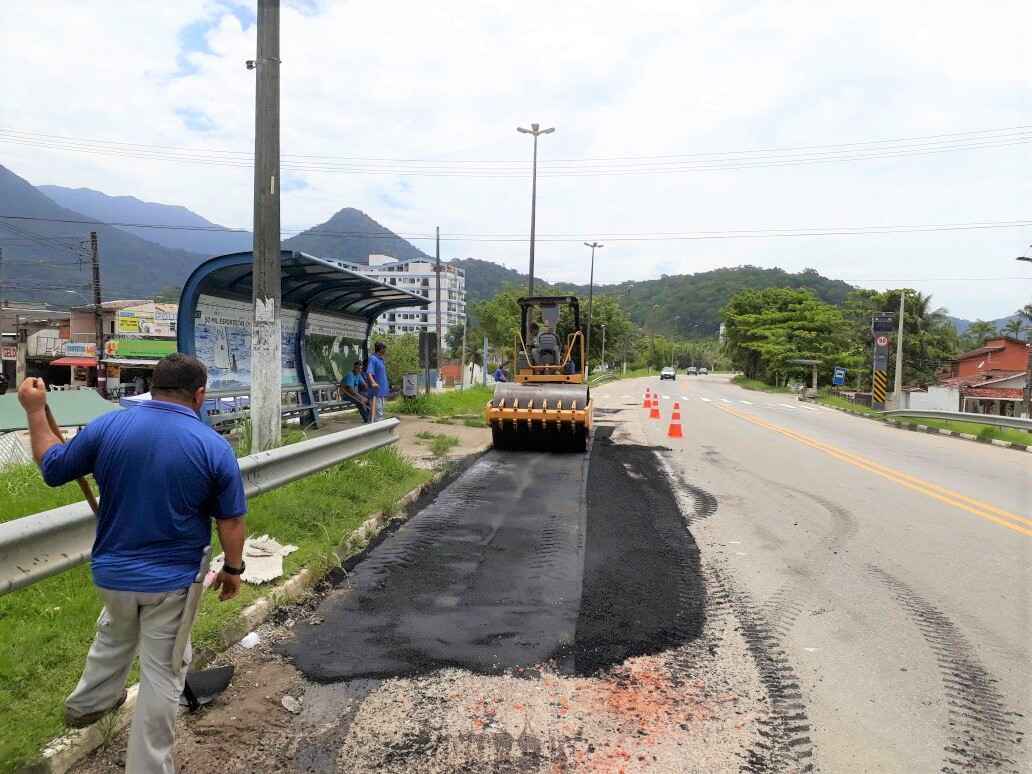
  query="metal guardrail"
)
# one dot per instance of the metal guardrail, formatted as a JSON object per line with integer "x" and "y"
{"x": 964, "y": 416}
{"x": 35, "y": 547}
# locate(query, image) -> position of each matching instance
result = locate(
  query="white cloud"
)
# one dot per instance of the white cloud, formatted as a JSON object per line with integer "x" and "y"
{"x": 418, "y": 80}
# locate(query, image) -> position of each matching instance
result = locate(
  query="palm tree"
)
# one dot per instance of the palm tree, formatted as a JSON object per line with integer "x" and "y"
{"x": 1014, "y": 327}
{"x": 978, "y": 333}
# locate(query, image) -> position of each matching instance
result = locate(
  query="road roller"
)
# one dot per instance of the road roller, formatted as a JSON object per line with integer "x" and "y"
{"x": 547, "y": 405}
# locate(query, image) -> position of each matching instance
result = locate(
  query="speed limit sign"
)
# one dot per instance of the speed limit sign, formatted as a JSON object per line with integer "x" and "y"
{"x": 882, "y": 341}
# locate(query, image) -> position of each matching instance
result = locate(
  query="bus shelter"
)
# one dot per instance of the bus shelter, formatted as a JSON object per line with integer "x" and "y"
{"x": 327, "y": 315}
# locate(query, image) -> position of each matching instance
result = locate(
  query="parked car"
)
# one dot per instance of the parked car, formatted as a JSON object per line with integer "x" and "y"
{"x": 703, "y": 371}
{"x": 668, "y": 373}
{"x": 691, "y": 370}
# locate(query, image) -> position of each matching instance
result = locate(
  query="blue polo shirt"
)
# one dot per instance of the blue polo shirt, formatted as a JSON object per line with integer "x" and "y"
{"x": 355, "y": 382}
{"x": 379, "y": 371}
{"x": 163, "y": 475}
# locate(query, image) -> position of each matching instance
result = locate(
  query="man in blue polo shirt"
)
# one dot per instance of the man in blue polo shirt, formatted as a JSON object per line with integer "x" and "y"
{"x": 163, "y": 475}
{"x": 379, "y": 388}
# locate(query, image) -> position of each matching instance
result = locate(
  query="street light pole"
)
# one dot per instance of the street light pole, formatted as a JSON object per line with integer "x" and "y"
{"x": 536, "y": 131}
{"x": 603, "y": 345}
{"x": 591, "y": 292}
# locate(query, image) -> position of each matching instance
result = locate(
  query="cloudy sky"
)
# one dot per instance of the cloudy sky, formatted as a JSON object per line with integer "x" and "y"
{"x": 684, "y": 119}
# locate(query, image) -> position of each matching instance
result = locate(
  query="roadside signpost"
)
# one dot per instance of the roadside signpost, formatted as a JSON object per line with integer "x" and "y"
{"x": 838, "y": 377}
{"x": 881, "y": 326}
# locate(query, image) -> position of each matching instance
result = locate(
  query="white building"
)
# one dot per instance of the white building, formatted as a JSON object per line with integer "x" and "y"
{"x": 418, "y": 277}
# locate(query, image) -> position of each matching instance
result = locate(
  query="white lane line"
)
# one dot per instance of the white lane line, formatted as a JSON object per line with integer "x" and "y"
{"x": 625, "y": 397}
{"x": 705, "y": 399}
{"x": 747, "y": 402}
{"x": 684, "y": 397}
{"x": 665, "y": 397}
{"x": 787, "y": 405}
{"x": 808, "y": 408}
{"x": 725, "y": 400}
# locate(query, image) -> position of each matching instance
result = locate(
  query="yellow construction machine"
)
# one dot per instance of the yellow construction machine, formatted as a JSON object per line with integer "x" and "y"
{"x": 547, "y": 405}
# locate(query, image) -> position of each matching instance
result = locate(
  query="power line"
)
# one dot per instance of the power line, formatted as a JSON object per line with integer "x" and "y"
{"x": 673, "y": 236}
{"x": 700, "y": 162}
{"x": 247, "y": 155}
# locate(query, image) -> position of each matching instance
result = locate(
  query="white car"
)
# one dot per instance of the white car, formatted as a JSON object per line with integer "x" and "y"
{"x": 703, "y": 371}
{"x": 668, "y": 373}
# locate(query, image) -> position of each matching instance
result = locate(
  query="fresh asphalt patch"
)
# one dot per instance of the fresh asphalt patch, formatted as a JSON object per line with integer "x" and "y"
{"x": 486, "y": 577}
{"x": 524, "y": 559}
{"x": 643, "y": 587}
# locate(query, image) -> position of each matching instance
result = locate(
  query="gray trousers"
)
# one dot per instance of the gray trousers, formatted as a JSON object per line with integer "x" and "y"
{"x": 377, "y": 413}
{"x": 129, "y": 621}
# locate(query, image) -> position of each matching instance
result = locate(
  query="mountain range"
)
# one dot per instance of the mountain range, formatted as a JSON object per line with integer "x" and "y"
{"x": 155, "y": 246}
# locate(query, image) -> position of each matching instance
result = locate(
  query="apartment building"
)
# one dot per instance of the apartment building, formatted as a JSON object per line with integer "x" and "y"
{"x": 417, "y": 277}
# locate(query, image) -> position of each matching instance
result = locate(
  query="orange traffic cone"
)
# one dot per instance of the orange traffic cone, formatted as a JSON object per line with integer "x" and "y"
{"x": 654, "y": 412}
{"x": 674, "y": 431}
{"x": 648, "y": 401}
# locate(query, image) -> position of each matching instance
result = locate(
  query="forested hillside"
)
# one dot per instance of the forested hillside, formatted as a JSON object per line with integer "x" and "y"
{"x": 682, "y": 305}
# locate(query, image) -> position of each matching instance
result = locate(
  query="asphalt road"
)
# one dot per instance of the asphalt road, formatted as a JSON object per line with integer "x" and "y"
{"x": 887, "y": 574}
{"x": 786, "y": 588}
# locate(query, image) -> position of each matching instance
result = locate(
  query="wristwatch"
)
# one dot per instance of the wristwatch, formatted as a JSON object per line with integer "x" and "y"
{"x": 235, "y": 570}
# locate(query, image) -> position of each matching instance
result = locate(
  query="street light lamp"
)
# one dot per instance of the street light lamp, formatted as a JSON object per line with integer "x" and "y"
{"x": 591, "y": 292}
{"x": 536, "y": 131}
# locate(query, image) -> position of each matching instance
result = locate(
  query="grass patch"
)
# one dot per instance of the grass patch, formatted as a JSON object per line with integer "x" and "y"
{"x": 474, "y": 422}
{"x": 46, "y": 629}
{"x": 442, "y": 444}
{"x": 756, "y": 384}
{"x": 426, "y": 435}
{"x": 984, "y": 432}
{"x": 443, "y": 404}
{"x": 854, "y": 408}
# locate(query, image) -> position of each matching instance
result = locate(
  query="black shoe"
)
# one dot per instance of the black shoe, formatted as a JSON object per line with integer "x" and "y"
{"x": 81, "y": 721}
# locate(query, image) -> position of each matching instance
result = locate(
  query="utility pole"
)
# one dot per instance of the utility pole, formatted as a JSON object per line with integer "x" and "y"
{"x": 98, "y": 315}
{"x": 1026, "y": 394}
{"x": 266, "y": 343}
{"x": 591, "y": 292}
{"x": 462, "y": 356}
{"x": 536, "y": 131}
{"x": 897, "y": 387}
{"x": 603, "y": 345}
{"x": 483, "y": 376}
{"x": 437, "y": 270}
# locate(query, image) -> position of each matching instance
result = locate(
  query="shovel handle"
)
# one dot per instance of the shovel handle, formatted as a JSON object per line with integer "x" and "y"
{"x": 84, "y": 485}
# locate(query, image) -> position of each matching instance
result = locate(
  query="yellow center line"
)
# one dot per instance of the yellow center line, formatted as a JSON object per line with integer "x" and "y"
{"x": 985, "y": 511}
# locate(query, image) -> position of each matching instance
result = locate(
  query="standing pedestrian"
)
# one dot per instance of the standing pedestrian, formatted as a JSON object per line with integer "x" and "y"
{"x": 379, "y": 387}
{"x": 163, "y": 475}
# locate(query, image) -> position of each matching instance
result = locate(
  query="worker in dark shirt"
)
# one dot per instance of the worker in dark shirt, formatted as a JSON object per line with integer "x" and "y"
{"x": 163, "y": 476}
{"x": 499, "y": 374}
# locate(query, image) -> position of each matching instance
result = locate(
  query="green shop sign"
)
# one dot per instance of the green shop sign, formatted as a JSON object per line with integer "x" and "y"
{"x": 147, "y": 349}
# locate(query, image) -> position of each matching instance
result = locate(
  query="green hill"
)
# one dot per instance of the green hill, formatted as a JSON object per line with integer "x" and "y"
{"x": 689, "y": 304}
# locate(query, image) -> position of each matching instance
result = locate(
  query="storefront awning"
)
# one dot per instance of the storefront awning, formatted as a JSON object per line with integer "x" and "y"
{"x": 78, "y": 362}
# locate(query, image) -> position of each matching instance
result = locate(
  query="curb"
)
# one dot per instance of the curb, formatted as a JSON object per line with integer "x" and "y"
{"x": 62, "y": 753}
{"x": 902, "y": 425}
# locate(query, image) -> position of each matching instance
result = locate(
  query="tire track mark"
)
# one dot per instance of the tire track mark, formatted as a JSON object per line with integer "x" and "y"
{"x": 982, "y": 735}
{"x": 784, "y": 743}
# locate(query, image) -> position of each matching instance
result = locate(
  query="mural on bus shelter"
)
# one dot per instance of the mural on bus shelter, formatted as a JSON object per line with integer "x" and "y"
{"x": 222, "y": 341}
{"x": 332, "y": 345}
